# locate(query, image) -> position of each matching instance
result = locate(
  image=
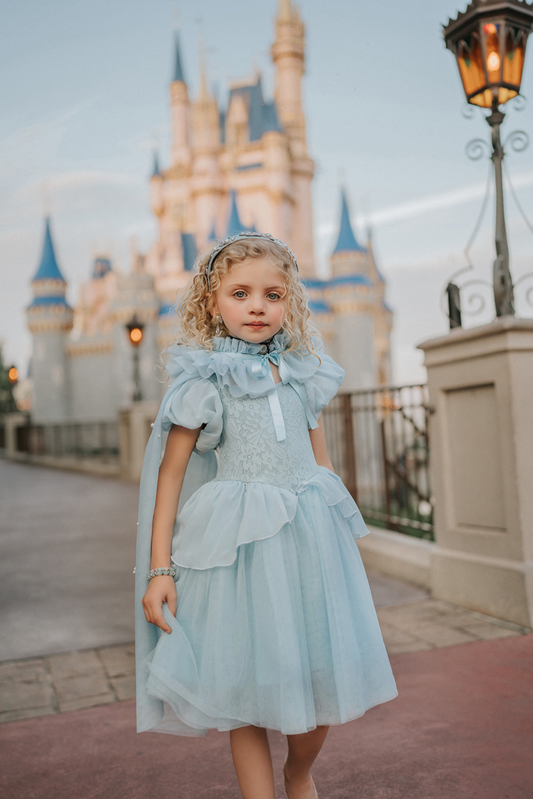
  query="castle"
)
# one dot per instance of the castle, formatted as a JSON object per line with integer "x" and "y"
{"x": 245, "y": 167}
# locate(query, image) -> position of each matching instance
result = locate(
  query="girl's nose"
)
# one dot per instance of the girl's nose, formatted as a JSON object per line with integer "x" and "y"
{"x": 257, "y": 305}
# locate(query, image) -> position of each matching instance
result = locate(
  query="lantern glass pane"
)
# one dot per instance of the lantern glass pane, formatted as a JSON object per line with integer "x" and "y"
{"x": 505, "y": 94}
{"x": 483, "y": 99}
{"x": 470, "y": 61}
{"x": 515, "y": 52}
{"x": 491, "y": 32}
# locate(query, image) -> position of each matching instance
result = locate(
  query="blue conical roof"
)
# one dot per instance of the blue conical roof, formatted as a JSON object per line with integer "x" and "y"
{"x": 178, "y": 69}
{"x": 235, "y": 225}
{"x": 189, "y": 251}
{"x": 262, "y": 116}
{"x": 48, "y": 268}
{"x": 156, "y": 172}
{"x": 346, "y": 241}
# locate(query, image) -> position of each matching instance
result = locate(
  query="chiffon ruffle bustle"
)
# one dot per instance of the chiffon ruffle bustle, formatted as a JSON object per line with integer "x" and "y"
{"x": 275, "y": 624}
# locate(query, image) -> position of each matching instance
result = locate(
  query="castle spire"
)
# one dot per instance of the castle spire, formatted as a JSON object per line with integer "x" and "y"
{"x": 178, "y": 69}
{"x": 346, "y": 241}
{"x": 204, "y": 89}
{"x": 48, "y": 268}
{"x": 285, "y": 10}
{"x": 235, "y": 226}
{"x": 179, "y": 99}
{"x": 156, "y": 171}
{"x": 288, "y": 55}
{"x": 213, "y": 232}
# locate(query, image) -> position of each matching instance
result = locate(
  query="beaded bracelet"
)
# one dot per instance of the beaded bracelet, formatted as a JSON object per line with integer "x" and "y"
{"x": 171, "y": 571}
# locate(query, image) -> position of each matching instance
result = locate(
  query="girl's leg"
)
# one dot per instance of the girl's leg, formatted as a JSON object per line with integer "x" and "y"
{"x": 253, "y": 764}
{"x": 303, "y": 750}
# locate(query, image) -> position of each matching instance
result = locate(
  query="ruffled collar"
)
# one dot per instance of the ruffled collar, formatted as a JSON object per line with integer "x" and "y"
{"x": 241, "y": 367}
{"x": 244, "y": 369}
{"x": 278, "y": 343}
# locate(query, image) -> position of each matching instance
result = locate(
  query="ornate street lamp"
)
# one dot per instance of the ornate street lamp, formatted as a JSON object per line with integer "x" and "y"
{"x": 135, "y": 333}
{"x": 489, "y": 42}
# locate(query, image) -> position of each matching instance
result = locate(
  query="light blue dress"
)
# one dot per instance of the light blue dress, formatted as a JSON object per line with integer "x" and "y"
{"x": 275, "y": 624}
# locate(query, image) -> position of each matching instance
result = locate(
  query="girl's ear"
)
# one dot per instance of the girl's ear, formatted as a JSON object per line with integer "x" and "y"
{"x": 214, "y": 308}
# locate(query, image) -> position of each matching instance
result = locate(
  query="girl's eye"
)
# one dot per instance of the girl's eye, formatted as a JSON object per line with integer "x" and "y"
{"x": 240, "y": 294}
{"x": 273, "y": 296}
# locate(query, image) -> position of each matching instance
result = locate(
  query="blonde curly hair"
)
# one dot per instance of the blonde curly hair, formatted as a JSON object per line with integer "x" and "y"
{"x": 197, "y": 325}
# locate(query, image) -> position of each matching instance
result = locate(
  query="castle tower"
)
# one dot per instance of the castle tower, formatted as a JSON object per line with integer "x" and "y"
{"x": 179, "y": 99}
{"x": 207, "y": 182}
{"x": 384, "y": 320}
{"x": 288, "y": 55}
{"x": 50, "y": 320}
{"x": 348, "y": 255}
{"x": 350, "y": 293}
{"x": 170, "y": 193}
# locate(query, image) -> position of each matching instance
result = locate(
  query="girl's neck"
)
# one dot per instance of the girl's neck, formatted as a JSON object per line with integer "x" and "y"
{"x": 266, "y": 343}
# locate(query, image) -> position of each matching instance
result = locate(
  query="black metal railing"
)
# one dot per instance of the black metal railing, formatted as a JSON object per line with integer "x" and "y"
{"x": 82, "y": 440}
{"x": 379, "y": 445}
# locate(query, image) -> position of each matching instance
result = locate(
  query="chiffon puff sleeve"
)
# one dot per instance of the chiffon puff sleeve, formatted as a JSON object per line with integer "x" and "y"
{"x": 321, "y": 379}
{"x": 193, "y": 404}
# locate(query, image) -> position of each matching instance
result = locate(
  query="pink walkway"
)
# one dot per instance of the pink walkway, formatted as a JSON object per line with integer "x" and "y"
{"x": 461, "y": 728}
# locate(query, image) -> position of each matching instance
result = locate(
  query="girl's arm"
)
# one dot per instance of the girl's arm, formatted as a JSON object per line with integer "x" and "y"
{"x": 180, "y": 444}
{"x": 318, "y": 442}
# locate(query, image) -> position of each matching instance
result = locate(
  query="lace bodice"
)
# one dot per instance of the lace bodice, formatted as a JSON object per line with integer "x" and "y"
{"x": 248, "y": 449}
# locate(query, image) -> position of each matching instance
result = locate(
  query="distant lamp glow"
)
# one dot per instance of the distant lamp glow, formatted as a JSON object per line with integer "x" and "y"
{"x": 135, "y": 331}
{"x": 13, "y": 374}
{"x": 489, "y": 42}
{"x": 135, "y": 334}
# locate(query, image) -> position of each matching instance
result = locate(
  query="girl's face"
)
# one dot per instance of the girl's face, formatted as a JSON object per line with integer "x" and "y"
{"x": 251, "y": 301}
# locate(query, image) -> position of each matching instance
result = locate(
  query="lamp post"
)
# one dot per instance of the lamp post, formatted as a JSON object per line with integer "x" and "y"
{"x": 135, "y": 333}
{"x": 489, "y": 42}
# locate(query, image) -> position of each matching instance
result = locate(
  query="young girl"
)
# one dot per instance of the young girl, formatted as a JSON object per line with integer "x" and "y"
{"x": 257, "y": 612}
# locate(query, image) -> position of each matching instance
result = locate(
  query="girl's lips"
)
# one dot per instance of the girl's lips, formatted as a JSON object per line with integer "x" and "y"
{"x": 255, "y": 324}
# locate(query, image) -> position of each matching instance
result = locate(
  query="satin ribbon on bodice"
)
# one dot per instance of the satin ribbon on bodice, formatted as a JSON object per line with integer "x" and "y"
{"x": 261, "y": 368}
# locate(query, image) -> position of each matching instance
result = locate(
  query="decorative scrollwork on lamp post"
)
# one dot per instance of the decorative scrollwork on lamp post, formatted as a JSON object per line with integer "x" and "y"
{"x": 489, "y": 41}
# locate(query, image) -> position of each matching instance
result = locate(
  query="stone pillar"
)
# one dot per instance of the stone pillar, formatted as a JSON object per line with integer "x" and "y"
{"x": 12, "y": 422}
{"x": 134, "y": 431}
{"x": 481, "y": 435}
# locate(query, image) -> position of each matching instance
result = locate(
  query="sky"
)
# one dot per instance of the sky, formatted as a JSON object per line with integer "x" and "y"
{"x": 84, "y": 92}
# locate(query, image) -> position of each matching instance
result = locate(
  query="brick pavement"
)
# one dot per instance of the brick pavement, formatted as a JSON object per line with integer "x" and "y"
{"x": 86, "y": 678}
{"x": 460, "y": 728}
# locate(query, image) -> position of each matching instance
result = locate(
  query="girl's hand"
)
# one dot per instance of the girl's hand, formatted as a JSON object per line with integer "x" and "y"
{"x": 161, "y": 589}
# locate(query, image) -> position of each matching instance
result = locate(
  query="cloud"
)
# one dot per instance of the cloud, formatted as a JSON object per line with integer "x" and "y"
{"x": 87, "y": 178}
{"x": 425, "y": 205}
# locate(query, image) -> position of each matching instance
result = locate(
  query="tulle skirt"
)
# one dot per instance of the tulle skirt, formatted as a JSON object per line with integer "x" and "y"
{"x": 286, "y": 635}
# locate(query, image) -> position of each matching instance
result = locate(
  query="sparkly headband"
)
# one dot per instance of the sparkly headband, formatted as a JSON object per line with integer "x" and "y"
{"x": 240, "y": 237}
